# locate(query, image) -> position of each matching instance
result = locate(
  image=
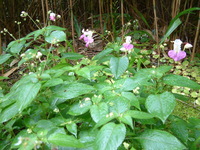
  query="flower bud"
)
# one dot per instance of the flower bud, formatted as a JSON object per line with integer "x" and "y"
{"x": 187, "y": 46}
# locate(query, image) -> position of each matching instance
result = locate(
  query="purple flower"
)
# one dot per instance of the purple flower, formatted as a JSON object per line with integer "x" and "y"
{"x": 87, "y": 37}
{"x": 127, "y": 46}
{"x": 176, "y": 53}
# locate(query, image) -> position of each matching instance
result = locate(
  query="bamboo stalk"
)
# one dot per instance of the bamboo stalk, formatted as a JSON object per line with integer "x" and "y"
{"x": 122, "y": 17}
{"x": 47, "y": 7}
{"x": 156, "y": 25}
{"x": 195, "y": 40}
{"x": 72, "y": 22}
{"x": 0, "y": 45}
{"x": 43, "y": 13}
{"x": 92, "y": 21}
{"x": 187, "y": 18}
{"x": 100, "y": 16}
{"x": 112, "y": 21}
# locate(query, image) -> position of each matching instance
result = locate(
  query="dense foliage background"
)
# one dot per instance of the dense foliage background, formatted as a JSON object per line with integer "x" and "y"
{"x": 153, "y": 15}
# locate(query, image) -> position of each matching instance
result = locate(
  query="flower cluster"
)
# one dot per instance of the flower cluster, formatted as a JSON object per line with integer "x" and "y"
{"x": 127, "y": 46}
{"x": 53, "y": 16}
{"x": 23, "y": 14}
{"x": 177, "y": 54}
{"x": 87, "y": 37}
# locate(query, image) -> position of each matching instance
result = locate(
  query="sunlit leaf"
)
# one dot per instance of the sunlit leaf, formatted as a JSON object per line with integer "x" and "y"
{"x": 161, "y": 105}
{"x": 177, "y": 80}
{"x": 64, "y": 140}
{"x": 157, "y": 140}
{"x": 110, "y": 137}
{"x": 4, "y": 58}
{"x": 56, "y": 37}
{"x": 118, "y": 66}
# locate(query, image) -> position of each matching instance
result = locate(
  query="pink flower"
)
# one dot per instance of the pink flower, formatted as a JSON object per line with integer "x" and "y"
{"x": 176, "y": 53}
{"x": 87, "y": 37}
{"x": 52, "y": 16}
{"x": 127, "y": 46}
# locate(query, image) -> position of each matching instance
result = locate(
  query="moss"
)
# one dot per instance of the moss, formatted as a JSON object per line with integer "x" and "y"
{"x": 184, "y": 111}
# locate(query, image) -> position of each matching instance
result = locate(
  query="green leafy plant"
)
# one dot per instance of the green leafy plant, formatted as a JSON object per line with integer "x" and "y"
{"x": 95, "y": 104}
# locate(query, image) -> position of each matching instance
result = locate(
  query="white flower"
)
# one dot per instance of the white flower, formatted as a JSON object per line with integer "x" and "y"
{"x": 29, "y": 131}
{"x": 128, "y": 39}
{"x": 56, "y": 110}
{"x": 177, "y": 45}
{"x": 187, "y": 46}
{"x": 39, "y": 54}
{"x": 22, "y": 55}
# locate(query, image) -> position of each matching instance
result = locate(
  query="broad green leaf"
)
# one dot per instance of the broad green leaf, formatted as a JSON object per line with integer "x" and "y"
{"x": 53, "y": 82}
{"x": 27, "y": 141}
{"x": 103, "y": 54}
{"x": 38, "y": 33}
{"x": 118, "y": 65}
{"x": 9, "y": 112}
{"x": 56, "y": 37}
{"x": 163, "y": 69}
{"x": 89, "y": 71}
{"x": 153, "y": 72}
{"x": 159, "y": 140}
{"x": 180, "y": 130}
{"x": 129, "y": 84}
{"x": 132, "y": 98}
{"x": 72, "y": 128}
{"x": 102, "y": 87}
{"x": 176, "y": 80}
{"x": 26, "y": 94}
{"x": 110, "y": 116}
{"x": 21, "y": 95}
{"x": 72, "y": 90}
{"x": 139, "y": 114}
{"x": 85, "y": 72}
{"x": 29, "y": 54}
{"x": 35, "y": 33}
{"x": 127, "y": 119}
{"x": 181, "y": 97}
{"x": 45, "y": 76}
{"x": 58, "y": 70}
{"x": 31, "y": 78}
{"x": 44, "y": 132}
{"x": 110, "y": 137}
{"x": 161, "y": 105}
{"x": 64, "y": 140}
{"x": 52, "y": 27}
{"x": 4, "y": 58}
{"x": 80, "y": 107}
{"x": 119, "y": 104}
{"x": 72, "y": 56}
{"x": 194, "y": 123}
{"x": 44, "y": 124}
{"x": 98, "y": 111}
{"x": 16, "y": 46}
{"x": 88, "y": 135}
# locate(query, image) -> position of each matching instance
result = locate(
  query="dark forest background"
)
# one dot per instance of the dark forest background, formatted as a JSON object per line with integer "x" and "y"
{"x": 102, "y": 15}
